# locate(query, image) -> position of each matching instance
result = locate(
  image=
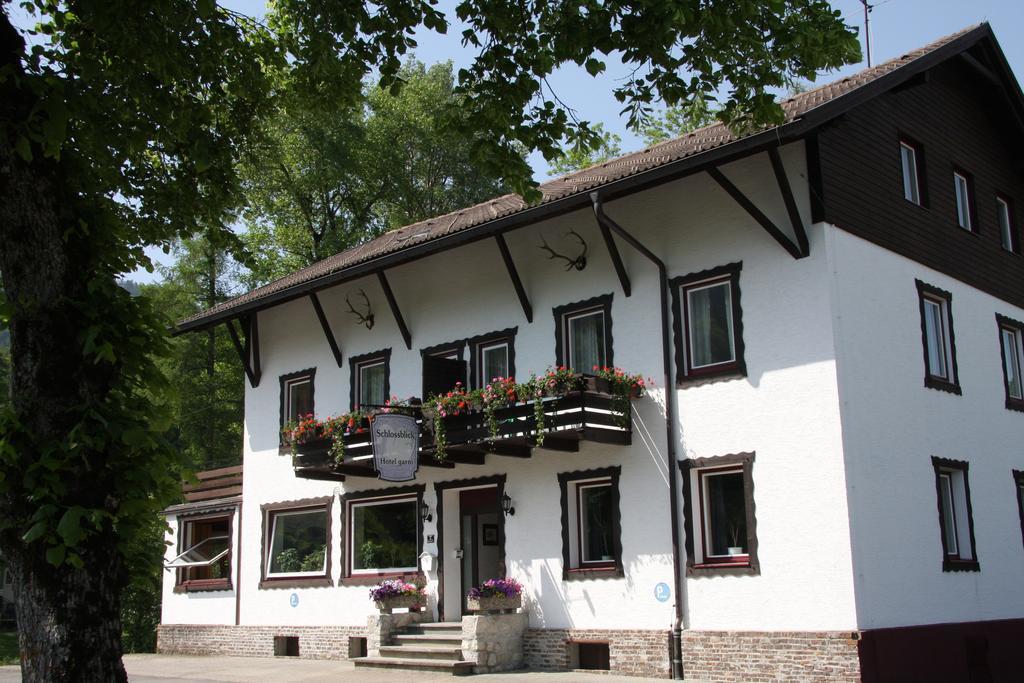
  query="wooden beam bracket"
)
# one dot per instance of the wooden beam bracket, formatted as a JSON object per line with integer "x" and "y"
{"x": 613, "y": 251}
{"x": 787, "y": 196}
{"x": 249, "y": 349}
{"x": 513, "y": 274}
{"x": 322, "y": 317}
{"x": 755, "y": 212}
{"x": 390, "y": 296}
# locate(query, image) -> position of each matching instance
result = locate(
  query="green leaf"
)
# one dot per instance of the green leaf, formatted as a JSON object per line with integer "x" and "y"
{"x": 24, "y": 148}
{"x": 36, "y": 531}
{"x": 55, "y": 555}
{"x": 70, "y": 526}
{"x": 594, "y": 66}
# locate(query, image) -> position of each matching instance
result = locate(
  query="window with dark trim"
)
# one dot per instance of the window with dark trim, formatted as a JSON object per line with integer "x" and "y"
{"x": 583, "y": 334}
{"x": 382, "y": 533}
{"x": 591, "y": 523}
{"x": 911, "y": 166}
{"x": 956, "y": 520}
{"x": 963, "y": 190}
{"x": 297, "y": 543}
{"x": 443, "y": 366}
{"x": 1007, "y": 226}
{"x": 492, "y": 355}
{"x": 721, "y": 528}
{"x": 369, "y": 379}
{"x": 204, "y": 562}
{"x": 1011, "y": 350}
{"x": 297, "y": 395}
{"x": 1018, "y": 487}
{"x": 708, "y": 324}
{"x": 937, "y": 338}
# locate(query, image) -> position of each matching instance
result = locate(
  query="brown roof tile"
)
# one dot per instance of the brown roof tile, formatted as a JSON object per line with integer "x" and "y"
{"x": 585, "y": 180}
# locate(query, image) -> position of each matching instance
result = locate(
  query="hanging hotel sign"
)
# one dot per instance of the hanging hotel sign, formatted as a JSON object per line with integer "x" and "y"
{"x": 396, "y": 446}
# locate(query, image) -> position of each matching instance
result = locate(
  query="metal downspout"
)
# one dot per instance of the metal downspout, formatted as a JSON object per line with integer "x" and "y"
{"x": 670, "y": 425}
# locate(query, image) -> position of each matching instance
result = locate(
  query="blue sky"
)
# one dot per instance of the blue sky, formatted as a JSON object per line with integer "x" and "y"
{"x": 897, "y": 26}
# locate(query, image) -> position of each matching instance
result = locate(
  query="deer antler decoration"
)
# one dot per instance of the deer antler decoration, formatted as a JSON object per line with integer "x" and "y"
{"x": 579, "y": 263}
{"x": 362, "y": 318}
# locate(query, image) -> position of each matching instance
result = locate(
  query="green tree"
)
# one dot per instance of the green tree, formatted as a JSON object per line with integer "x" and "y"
{"x": 121, "y": 124}
{"x": 580, "y": 156}
{"x": 325, "y": 179}
{"x": 679, "y": 120}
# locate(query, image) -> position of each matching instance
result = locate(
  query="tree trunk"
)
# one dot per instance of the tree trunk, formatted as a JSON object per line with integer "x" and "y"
{"x": 68, "y": 618}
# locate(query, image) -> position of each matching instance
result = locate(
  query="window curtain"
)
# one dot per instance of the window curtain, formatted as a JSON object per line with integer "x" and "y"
{"x": 587, "y": 342}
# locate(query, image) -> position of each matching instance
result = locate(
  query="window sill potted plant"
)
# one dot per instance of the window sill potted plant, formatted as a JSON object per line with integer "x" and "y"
{"x": 393, "y": 594}
{"x": 495, "y": 595}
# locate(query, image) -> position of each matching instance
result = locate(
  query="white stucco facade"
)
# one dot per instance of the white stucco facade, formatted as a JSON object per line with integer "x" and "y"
{"x": 832, "y": 405}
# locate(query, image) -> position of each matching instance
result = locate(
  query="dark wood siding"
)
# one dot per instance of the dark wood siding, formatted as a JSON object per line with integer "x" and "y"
{"x": 958, "y": 119}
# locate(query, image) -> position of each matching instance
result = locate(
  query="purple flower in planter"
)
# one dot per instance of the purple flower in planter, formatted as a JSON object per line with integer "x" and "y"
{"x": 393, "y": 588}
{"x": 506, "y": 587}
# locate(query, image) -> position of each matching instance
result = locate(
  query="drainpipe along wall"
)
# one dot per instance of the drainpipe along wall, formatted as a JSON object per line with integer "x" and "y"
{"x": 670, "y": 425}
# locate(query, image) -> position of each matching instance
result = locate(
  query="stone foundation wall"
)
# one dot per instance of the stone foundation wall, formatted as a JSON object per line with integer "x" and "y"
{"x": 315, "y": 642}
{"x": 494, "y": 641}
{"x": 727, "y": 656}
{"x": 630, "y": 652}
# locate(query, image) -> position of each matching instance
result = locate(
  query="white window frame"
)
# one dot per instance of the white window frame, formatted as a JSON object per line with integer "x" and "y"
{"x": 1012, "y": 359}
{"x": 350, "y": 542}
{"x": 289, "y": 385}
{"x": 945, "y": 352}
{"x": 360, "y": 367}
{"x": 962, "y": 189}
{"x": 911, "y": 182}
{"x": 180, "y": 563}
{"x": 277, "y": 514}
{"x": 580, "y": 535}
{"x": 567, "y": 327}
{"x": 953, "y": 481}
{"x": 481, "y": 352}
{"x": 703, "y": 476}
{"x": 689, "y": 289}
{"x": 1005, "y": 219}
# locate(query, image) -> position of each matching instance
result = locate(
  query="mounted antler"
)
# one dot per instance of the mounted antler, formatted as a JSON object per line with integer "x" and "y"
{"x": 363, "y": 319}
{"x": 579, "y": 263}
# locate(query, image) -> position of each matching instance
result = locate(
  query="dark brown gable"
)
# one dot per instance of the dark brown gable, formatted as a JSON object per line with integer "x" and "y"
{"x": 962, "y": 122}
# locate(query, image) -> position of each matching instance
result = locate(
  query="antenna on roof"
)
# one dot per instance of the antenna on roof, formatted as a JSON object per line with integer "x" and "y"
{"x": 867, "y": 29}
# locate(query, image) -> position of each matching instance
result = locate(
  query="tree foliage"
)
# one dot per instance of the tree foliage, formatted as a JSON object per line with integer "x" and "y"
{"x": 324, "y": 179}
{"x": 121, "y": 126}
{"x": 580, "y": 156}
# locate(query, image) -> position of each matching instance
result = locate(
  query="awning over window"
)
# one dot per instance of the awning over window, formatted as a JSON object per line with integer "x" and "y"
{"x": 202, "y": 554}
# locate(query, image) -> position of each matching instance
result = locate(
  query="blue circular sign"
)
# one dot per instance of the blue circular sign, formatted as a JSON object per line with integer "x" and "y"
{"x": 294, "y": 600}
{"x": 662, "y": 592}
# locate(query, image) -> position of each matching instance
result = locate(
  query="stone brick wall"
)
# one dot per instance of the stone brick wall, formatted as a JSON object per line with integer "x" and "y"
{"x": 748, "y": 657}
{"x": 630, "y": 652}
{"x": 315, "y": 642}
{"x": 494, "y": 641}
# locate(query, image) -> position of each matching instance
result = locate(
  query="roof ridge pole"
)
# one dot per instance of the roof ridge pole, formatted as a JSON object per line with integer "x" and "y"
{"x": 390, "y": 296}
{"x": 607, "y": 223}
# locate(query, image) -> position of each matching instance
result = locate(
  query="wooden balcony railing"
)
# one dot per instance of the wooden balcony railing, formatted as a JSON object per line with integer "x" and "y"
{"x": 568, "y": 420}
{"x": 221, "y": 483}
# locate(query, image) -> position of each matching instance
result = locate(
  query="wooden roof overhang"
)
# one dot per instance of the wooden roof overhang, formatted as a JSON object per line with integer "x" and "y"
{"x": 803, "y": 125}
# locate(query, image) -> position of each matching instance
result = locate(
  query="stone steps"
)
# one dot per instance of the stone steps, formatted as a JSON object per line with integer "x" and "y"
{"x": 421, "y": 652}
{"x": 456, "y": 668}
{"x": 426, "y": 646}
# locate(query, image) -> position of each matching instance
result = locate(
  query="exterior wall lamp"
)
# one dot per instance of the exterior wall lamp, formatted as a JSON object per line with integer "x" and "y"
{"x": 425, "y": 513}
{"x": 506, "y": 505}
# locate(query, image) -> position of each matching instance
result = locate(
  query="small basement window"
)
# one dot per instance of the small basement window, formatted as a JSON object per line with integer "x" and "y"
{"x": 591, "y": 656}
{"x": 286, "y": 646}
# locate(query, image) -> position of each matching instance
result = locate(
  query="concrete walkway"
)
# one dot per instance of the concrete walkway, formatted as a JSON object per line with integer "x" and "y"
{"x": 170, "y": 668}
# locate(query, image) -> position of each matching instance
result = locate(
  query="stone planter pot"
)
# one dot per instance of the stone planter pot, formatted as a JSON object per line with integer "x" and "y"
{"x": 387, "y": 604}
{"x": 494, "y": 604}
